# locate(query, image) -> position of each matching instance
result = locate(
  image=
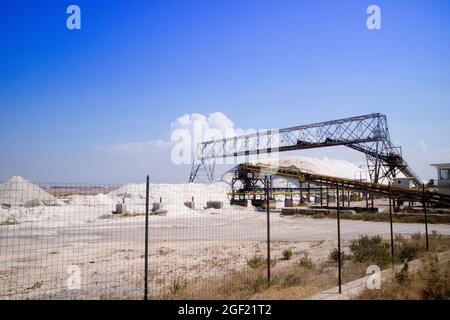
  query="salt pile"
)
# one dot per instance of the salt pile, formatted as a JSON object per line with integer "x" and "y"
{"x": 19, "y": 191}
{"x": 325, "y": 166}
{"x": 175, "y": 194}
{"x": 91, "y": 200}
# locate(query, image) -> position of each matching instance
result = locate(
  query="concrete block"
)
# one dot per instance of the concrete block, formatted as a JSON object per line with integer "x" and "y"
{"x": 239, "y": 202}
{"x": 288, "y": 203}
{"x": 190, "y": 204}
{"x": 214, "y": 204}
{"x": 157, "y": 206}
{"x": 120, "y": 208}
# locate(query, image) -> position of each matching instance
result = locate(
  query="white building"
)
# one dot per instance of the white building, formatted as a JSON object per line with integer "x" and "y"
{"x": 406, "y": 183}
{"x": 443, "y": 174}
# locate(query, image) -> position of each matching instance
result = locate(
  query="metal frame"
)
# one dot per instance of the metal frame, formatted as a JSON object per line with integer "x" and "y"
{"x": 368, "y": 134}
{"x": 414, "y": 195}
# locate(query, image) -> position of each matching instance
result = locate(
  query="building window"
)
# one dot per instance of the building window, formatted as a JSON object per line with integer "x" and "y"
{"x": 444, "y": 174}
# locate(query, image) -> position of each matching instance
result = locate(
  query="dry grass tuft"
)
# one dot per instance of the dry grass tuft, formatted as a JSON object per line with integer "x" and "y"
{"x": 431, "y": 282}
{"x": 305, "y": 278}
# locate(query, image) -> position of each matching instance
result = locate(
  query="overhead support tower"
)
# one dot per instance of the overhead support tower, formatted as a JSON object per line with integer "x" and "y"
{"x": 368, "y": 134}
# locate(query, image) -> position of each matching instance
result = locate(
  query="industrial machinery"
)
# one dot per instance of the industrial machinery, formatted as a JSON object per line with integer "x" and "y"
{"x": 395, "y": 192}
{"x": 368, "y": 134}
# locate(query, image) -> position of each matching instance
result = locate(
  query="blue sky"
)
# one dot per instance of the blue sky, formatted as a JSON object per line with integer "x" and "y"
{"x": 136, "y": 66}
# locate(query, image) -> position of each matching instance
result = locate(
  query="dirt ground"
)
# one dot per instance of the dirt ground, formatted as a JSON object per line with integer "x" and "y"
{"x": 36, "y": 258}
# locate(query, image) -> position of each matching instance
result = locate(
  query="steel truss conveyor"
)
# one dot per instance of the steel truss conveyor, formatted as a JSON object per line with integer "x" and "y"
{"x": 368, "y": 134}
{"x": 414, "y": 195}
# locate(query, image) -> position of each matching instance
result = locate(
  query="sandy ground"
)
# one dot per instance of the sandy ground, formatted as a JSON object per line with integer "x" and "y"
{"x": 35, "y": 257}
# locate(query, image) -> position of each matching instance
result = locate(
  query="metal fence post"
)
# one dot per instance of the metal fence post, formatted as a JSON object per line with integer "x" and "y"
{"x": 348, "y": 198}
{"x": 146, "y": 239}
{"x": 268, "y": 231}
{"x": 390, "y": 221}
{"x": 321, "y": 193}
{"x": 309, "y": 192}
{"x": 425, "y": 215}
{"x": 367, "y": 200}
{"x": 339, "y": 239}
{"x": 301, "y": 191}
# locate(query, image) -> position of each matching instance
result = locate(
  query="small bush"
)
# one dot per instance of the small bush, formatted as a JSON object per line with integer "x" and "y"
{"x": 435, "y": 235}
{"x": 176, "y": 287}
{"x": 409, "y": 251}
{"x": 416, "y": 236}
{"x": 287, "y": 254}
{"x": 257, "y": 283}
{"x": 403, "y": 277}
{"x": 256, "y": 262}
{"x": 292, "y": 279}
{"x": 432, "y": 282}
{"x": 371, "y": 250}
{"x": 306, "y": 262}
{"x": 436, "y": 282}
{"x": 334, "y": 255}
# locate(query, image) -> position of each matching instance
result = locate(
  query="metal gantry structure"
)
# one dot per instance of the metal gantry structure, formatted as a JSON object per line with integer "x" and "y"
{"x": 368, "y": 134}
{"x": 414, "y": 195}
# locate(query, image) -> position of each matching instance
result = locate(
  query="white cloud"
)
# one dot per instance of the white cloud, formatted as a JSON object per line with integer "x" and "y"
{"x": 197, "y": 126}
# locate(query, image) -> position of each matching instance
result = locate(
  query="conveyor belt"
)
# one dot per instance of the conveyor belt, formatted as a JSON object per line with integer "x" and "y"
{"x": 416, "y": 195}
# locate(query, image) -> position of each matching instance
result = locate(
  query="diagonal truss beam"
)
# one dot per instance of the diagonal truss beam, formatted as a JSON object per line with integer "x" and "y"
{"x": 361, "y": 129}
{"x": 368, "y": 134}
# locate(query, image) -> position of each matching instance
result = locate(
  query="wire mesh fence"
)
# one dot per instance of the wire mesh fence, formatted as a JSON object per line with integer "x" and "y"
{"x": 187, "y": 241}
{"x": 64, "y": 241}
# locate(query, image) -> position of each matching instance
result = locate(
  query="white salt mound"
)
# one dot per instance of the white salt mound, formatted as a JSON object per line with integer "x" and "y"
{"x": 326, "y": 166}
{"x": 91, "y": 200}
{"x": 20, "y": 191}
{"x": 173, "y": 193}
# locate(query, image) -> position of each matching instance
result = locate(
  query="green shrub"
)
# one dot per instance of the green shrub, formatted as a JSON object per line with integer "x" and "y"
{"x": 257, "y": 283}
{"x": 292, "y": 279}
{"x": 334, "y": 255}
{"x": 436, "y": 282}
{"x": 403, "y": 277}
{"x": 306, "y": 262}
{"x": 371, "y": 250}
{"x": 176, "y": 287}
{"x": 287, "y": 254}
{"x": 408, "y": 251}
{"x": 256, "y": 262}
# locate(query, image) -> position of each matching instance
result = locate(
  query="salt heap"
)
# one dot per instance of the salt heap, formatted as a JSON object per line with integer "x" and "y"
{"x": 324, "y": 166}
{"x": 91, "y": 200}
{"x": 173, "y": 193}
{"x": 173, "y": 196}
{"x": 19, "y": 191}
